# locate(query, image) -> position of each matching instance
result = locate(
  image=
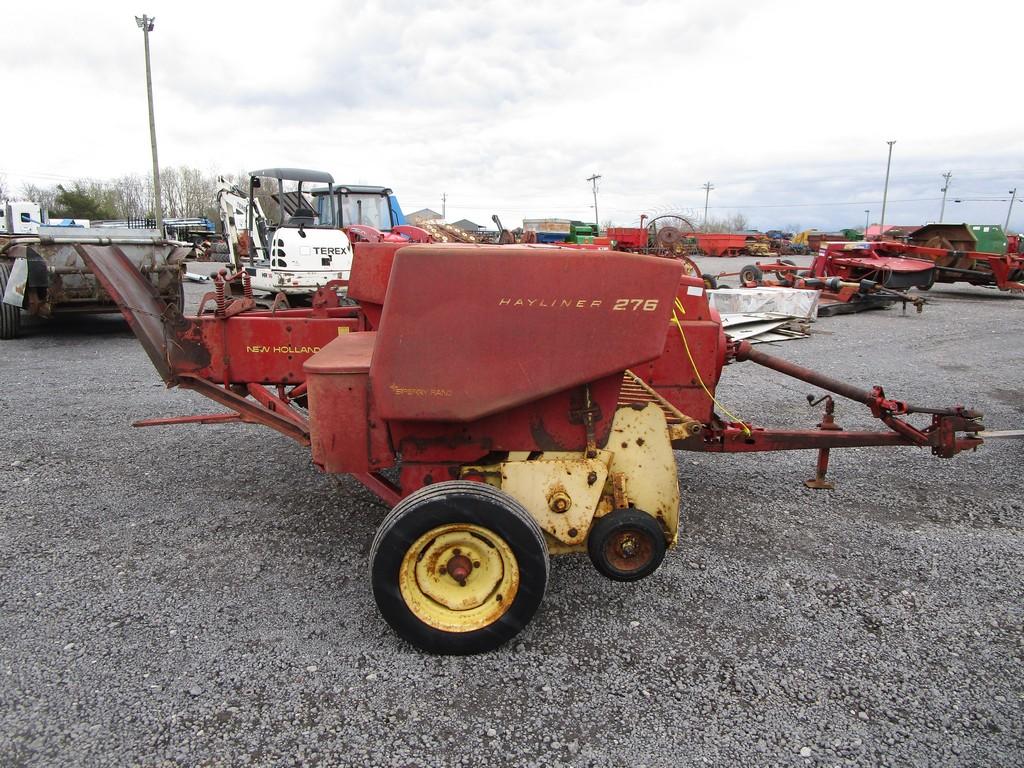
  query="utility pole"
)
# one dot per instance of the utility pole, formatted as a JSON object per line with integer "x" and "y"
{"x": 444, "y": 202}
{"x": 708, "y": 186}
{"x": 597, "y": 221}
{"x": 885, "y": 192}
{"x": 942, "y": 211}
{"x": 145, "y": 23}
{"x": 867, "y": 218}
{"x": 1013, "y": 194}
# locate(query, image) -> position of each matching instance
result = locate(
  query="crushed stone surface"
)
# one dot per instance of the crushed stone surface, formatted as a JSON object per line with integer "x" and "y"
{"x": 197, "y": 595}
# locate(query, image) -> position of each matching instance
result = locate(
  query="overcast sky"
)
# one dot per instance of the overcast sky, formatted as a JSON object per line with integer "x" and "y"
{"x": 508, "y": 107}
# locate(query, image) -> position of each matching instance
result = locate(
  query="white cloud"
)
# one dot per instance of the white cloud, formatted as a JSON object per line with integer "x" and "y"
{"x": 508, "y": 107}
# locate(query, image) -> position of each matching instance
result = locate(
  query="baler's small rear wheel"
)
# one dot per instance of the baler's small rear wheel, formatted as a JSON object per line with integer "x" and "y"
{"x": 458, "y": 567}
{"x": 626, "y": 545}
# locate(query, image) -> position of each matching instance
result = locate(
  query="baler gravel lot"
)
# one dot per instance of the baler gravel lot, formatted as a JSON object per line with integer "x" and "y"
{"x": 198, "y": 595}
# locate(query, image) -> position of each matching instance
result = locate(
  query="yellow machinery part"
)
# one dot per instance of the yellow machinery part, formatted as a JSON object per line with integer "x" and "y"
{"x": 564, "y": 492}
{"x": 459, "y": 577}
{"x": 642, "y": 454}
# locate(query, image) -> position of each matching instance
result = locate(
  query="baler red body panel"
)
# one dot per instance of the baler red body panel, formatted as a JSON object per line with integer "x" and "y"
{"x": 368, "y": 281}
{"x": 470, "y": 332}
{"x": 515, "y": 379}
{"x": 258, "y": 347}
{"x": 673, "y": 374}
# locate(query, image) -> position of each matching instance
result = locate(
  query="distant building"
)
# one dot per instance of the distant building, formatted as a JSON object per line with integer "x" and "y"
{"x": 417, "y": 217}
{"x": 467, "y": 226}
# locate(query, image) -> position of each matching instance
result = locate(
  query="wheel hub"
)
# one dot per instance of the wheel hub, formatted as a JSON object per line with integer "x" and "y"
{"x": 459, "y": 577}
{"x": 629, "y": 550}
{"x": 628, "y": 545}
{"x": 459, "y": 567}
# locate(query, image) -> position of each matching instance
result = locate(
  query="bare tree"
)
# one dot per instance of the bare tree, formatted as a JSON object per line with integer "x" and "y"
{"x": 198, "y": 191}
{"x": 736, "y": 222}
{"x": 186, "y": 191}
{"x": 170, "y": 192}
{"x": 131, "y": 196}
{"x": 45, "y": 196}
{"x": 3, "y": 187}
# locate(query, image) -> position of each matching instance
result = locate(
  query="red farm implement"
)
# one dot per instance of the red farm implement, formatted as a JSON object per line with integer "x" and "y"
{"x": 905, "y": 265}
{"x": 837, "y": 296}
{"x": 720, "y": 243}
{"x": 509, "y": 402}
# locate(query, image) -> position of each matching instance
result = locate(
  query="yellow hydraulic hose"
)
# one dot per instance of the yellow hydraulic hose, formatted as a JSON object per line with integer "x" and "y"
{"x": 682, "y": 335}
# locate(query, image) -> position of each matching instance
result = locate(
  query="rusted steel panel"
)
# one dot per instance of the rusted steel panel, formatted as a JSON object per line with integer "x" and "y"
{"x": 71, "y": 284}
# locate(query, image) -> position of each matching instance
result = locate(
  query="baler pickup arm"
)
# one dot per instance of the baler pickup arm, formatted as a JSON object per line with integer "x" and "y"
{"x": 140, "y": 303}
{"x": 178, "y": 351}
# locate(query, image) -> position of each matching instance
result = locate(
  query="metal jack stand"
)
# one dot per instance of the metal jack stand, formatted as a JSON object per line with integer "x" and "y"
{"x": 828, "y": 423}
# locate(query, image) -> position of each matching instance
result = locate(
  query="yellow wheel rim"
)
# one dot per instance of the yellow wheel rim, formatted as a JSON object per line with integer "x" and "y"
{"x": 459, "y": 577}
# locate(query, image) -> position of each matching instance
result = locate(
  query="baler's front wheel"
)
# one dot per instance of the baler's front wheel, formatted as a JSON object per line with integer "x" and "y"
{"x": 458, "y": 567}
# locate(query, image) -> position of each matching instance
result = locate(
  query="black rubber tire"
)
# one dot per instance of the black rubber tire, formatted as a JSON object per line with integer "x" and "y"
{"x": 788, "y": 275}
{"x": 621, "y": 521}
{"x": 710, "y": 282}
{"x": 458, "y": 501}
{"x": 10, "y": 316}
{"x": 931, "y": 281}
{"x": 751, "y": 274}
{"x": 181, "y": 296}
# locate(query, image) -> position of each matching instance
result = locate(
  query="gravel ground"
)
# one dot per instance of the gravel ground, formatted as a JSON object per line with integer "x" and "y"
{"x": 197, "y": 595}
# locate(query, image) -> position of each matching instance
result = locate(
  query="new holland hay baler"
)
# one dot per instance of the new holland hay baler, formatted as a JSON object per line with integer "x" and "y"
{"x": 508, "y": 402}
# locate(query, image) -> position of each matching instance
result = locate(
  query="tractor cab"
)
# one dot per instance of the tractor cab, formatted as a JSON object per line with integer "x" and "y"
{"x": 302, "y": 247}
{"x": 347, "y": 204}
{"x": 367, "y": 214}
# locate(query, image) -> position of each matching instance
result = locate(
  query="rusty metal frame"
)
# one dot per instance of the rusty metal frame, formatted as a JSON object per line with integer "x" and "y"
{"x": 940, "y": 435}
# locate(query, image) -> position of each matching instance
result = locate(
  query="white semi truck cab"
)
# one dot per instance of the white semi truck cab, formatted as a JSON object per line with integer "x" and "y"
{"x": 20, "y": 218}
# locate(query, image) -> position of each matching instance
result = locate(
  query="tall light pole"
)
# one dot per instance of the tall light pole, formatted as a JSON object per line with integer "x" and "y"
{"x": 945, "y": 187}
{"x": 867, "y": 218}
{"x": 597, "y": 222}
{"x": 885, "y": 192}
{"x": 444, "y": 206}
{"x": 146, "y": 25}
{"x": 708, "y": 186}
{"x": 1013, "y": 194}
